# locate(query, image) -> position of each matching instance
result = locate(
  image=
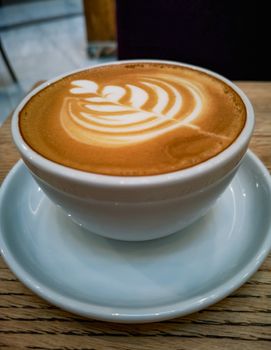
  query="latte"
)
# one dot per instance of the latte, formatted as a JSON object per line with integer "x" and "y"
{"x": 133, "y": 119}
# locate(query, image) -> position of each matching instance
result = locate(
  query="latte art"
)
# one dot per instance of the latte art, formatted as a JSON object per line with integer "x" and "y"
{"x": 133, "y": 119}
{"x": 101, "y": 116}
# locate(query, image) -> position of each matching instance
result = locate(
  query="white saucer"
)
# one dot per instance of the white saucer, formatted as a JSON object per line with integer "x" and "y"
{"x": 136, "y": 281}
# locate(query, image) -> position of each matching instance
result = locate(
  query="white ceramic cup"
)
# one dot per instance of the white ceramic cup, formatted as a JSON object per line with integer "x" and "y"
{"x": 136, "y": 208}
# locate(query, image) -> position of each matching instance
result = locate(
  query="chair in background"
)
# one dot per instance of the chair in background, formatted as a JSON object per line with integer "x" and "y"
{"x": 7, "y": 63}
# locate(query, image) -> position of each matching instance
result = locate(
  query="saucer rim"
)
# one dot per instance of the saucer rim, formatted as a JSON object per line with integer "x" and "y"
{"x": 138, "y": 315}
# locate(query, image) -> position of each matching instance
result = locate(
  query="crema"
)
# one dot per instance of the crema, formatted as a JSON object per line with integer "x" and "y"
{"x": 133, "y": 119}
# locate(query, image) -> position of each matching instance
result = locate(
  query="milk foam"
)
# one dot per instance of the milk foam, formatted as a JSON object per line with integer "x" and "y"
{"x": 96, "y": 114}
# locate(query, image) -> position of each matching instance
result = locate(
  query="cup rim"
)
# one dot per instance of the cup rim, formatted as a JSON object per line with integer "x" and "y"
{"x": 103, "y": 180}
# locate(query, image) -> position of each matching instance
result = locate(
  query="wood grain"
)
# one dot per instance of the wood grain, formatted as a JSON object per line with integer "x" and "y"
{"x": 241, "y": 321}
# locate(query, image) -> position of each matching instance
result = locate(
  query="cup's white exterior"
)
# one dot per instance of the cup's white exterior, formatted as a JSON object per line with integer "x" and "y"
{"x": 136, "y": 208}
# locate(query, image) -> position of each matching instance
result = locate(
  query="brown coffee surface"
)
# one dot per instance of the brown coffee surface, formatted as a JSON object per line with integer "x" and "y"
{"x": 133, "y": 119}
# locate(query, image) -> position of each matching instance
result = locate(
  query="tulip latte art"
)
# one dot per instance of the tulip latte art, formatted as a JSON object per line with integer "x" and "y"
{"x": 133, "y": 119}
{"x": 115, "y": 115}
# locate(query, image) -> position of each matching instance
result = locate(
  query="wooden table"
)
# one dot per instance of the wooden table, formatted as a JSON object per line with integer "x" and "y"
{"x": 241, "y": 321}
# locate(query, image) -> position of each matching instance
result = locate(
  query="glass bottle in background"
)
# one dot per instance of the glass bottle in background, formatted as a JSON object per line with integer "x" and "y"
{"x": 100, "y": 18}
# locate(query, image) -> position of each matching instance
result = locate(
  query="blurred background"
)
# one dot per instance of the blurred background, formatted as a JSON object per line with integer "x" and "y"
{"x": 42, "y": 39}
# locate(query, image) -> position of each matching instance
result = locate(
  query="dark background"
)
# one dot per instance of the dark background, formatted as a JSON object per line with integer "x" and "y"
{"x": 230, "y": 37}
